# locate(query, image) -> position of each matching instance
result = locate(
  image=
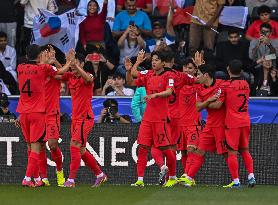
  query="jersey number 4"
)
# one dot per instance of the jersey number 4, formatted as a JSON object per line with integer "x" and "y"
{"x": 26, "y": 88}
{"x": 242, "y": 108}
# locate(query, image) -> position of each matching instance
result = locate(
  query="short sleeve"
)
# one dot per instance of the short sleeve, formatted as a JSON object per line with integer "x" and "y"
{"x": 188, "y": 79}
{"x": 251, "y": 30}
{"x": 117, "y": 22}
{"x": 50, "y": 70}
{"x": 142, "y": 78}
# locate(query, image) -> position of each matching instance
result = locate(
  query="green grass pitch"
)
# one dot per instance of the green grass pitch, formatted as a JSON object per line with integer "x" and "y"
{"x": 149, "y": 195}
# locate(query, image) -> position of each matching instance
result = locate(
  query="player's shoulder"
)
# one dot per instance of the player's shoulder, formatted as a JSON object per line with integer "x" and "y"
{"x": 145, "y": 72}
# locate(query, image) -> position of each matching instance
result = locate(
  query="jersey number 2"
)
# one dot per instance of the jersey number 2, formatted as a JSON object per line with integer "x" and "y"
{"x": 26, "y": 88}
{"x": 242, "y": 108}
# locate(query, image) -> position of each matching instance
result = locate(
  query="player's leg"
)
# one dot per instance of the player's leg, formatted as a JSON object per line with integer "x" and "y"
{"x": 87, "y": 157}
{"x": 145, "y": 142}
{"x": 158, "y": 157}
{"x": 232, "y": 142}
{"x": 246, "y": 156}
{"x": 43, "y": 165}
{"x": 53, "y": 135}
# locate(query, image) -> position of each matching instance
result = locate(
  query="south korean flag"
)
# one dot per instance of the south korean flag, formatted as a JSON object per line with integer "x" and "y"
{"x": 61, "y": 31}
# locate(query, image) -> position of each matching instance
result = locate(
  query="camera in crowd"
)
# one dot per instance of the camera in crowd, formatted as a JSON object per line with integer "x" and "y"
{"x": 112, "y": 109}
{"x": 5, "y": 114}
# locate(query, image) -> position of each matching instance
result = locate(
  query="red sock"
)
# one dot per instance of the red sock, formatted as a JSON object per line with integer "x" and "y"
{"x": 157, "y": 155}
{"x": 91, "y": 162}
{"x": 233, "y": 165}
{"x": 248, "y": 161}
{"x": 43, "y": 164}
{"x": 142, "y": 161}
{"x": 57, "y": 158}
{"x": 32, "y": 164}
{"x": 188, "y": 161}
{"x": 75, "y": 159}
{"x": 196, "y": 163}
{"x": 170, "y": 161}
{"x": 183, "y": 162}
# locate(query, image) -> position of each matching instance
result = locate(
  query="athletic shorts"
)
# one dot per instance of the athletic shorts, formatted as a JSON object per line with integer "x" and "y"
{"x": 213, "y": 139}
{"x": 157, "y": 134}
{"x": 237, "y": 137}
{"x": 175, "y": 129}
{"x": 33, "y": 126}
{"x": 189, "y": 137}
{"x": 52, "y": 127}
{"x": 80, "y": 130}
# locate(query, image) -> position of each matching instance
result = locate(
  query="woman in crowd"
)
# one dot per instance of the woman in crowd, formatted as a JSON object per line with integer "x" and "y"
{"x": 92, "y": 28}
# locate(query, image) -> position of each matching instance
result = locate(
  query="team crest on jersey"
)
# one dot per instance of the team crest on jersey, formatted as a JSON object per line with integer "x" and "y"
{"x": 54, "y": 68}
{"x": 144, "y": 72}
{"x": 171, "y": 82}
{"x": 190, "y": 76}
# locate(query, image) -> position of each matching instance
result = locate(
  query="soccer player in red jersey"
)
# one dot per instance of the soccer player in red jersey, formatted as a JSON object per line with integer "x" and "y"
{"x": 32, "y": 106}
{"x": 81, "y": 88}
{"x": 212, "y": 137}
{"x": 237, "y": 124}
{"x": 155, "y": 127}
{"x": 189, "y": 120}
{"x": 52, "y": 95}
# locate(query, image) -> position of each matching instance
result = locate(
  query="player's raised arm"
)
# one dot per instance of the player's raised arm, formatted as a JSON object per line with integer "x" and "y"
{"x": 88, "y": 78}
{"x": 163, "y": 94}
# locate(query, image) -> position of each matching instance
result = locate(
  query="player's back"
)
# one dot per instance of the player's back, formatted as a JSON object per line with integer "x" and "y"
{"x": 52, "y": 96}
{"x": 31, "y": 82}
{"x": 237, "y": 96}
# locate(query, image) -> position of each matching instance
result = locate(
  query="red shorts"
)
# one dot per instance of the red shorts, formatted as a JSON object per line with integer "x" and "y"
{"x": 52, "y": 127}
{"x": 189, "y": 137}
{"x": 80, "y": 129}
{"x": 157, "y": 134}
{"x": 237, "y": 137}
{"x": 175, "y": 130}
{"x": 213, "y": 139}
{"x": 33, "y": 126}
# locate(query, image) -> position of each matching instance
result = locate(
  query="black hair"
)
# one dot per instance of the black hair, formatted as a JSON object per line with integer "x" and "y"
{"x": 188, "y": 61}
{"x": 162, "y": 55}
{"x": 266, "y": 25}
{"x": 207, "y": 68}
{"x": 107, "y": 103}
{"x": 263, "y": 9}
{"x": 3, "y": 35}
{"x": 117, "y": 74}
{"x": 33, "y": 51}
{"x": 170, "y": 54}
{"x": 235, "y": 67}
{"x": 233, "y": 31}
{"x": 95, "y": 3}
{"x": 95, "y": 49}
{"x": 80, "y": 57}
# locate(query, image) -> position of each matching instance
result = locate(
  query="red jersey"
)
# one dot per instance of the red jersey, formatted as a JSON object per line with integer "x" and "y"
{"x": 216, "y": 117}
{"x": 187, "y": 105}
{"x": 31, "y": 83}
{"x": 254, "y": 29}
{"x": 236, "y": 100}
{"x": 52, "y": 96}
{"x": 81, "y": 94}
{"x": 142, "y": 4}
{"x": 180, "y": 80}
{"x": 156, "y": 108}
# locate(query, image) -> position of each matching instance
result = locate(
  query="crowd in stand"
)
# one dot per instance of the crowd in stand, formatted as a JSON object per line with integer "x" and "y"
{"x": 114, "y": 31}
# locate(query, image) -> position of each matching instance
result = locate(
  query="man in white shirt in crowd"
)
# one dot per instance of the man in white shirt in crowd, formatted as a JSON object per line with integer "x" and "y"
{"x": 117, "y": 84}
{"x": 7, "y": 55}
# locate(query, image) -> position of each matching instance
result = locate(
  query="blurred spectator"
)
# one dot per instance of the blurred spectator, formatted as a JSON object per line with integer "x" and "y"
{"x": 229, "y": 50}
{"x": 7, "y": 55}
{"x": 160, "y": 35}
{"x": 264, "y": 45}
{"x": 64, "y": 89}
{"x": 5, "y": 114}
{"x": 31, "y": 10}
{"x": 65, "y": 5}
{"x": 256, "y": 3}
{"x": 133, "y": 17}
{"x": 3, "y": 88}
{"x": 253, "y": 31}
{"x": 138, "y": 104}
{"x": 101, "y": 69}
{"x": 8, "y": 80}
{"x": 235, "y": 3}
{"x": 209, "y": 12}
{"x": 117, "y": 84}
{"x": 8, "y": 20}
{"x": 130, "y": 43}
{"x": 110, "y": 113}
{"x": 266, "y": 80}
{"x": 92, "y": 28}
{"x": 143, "y": 5}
